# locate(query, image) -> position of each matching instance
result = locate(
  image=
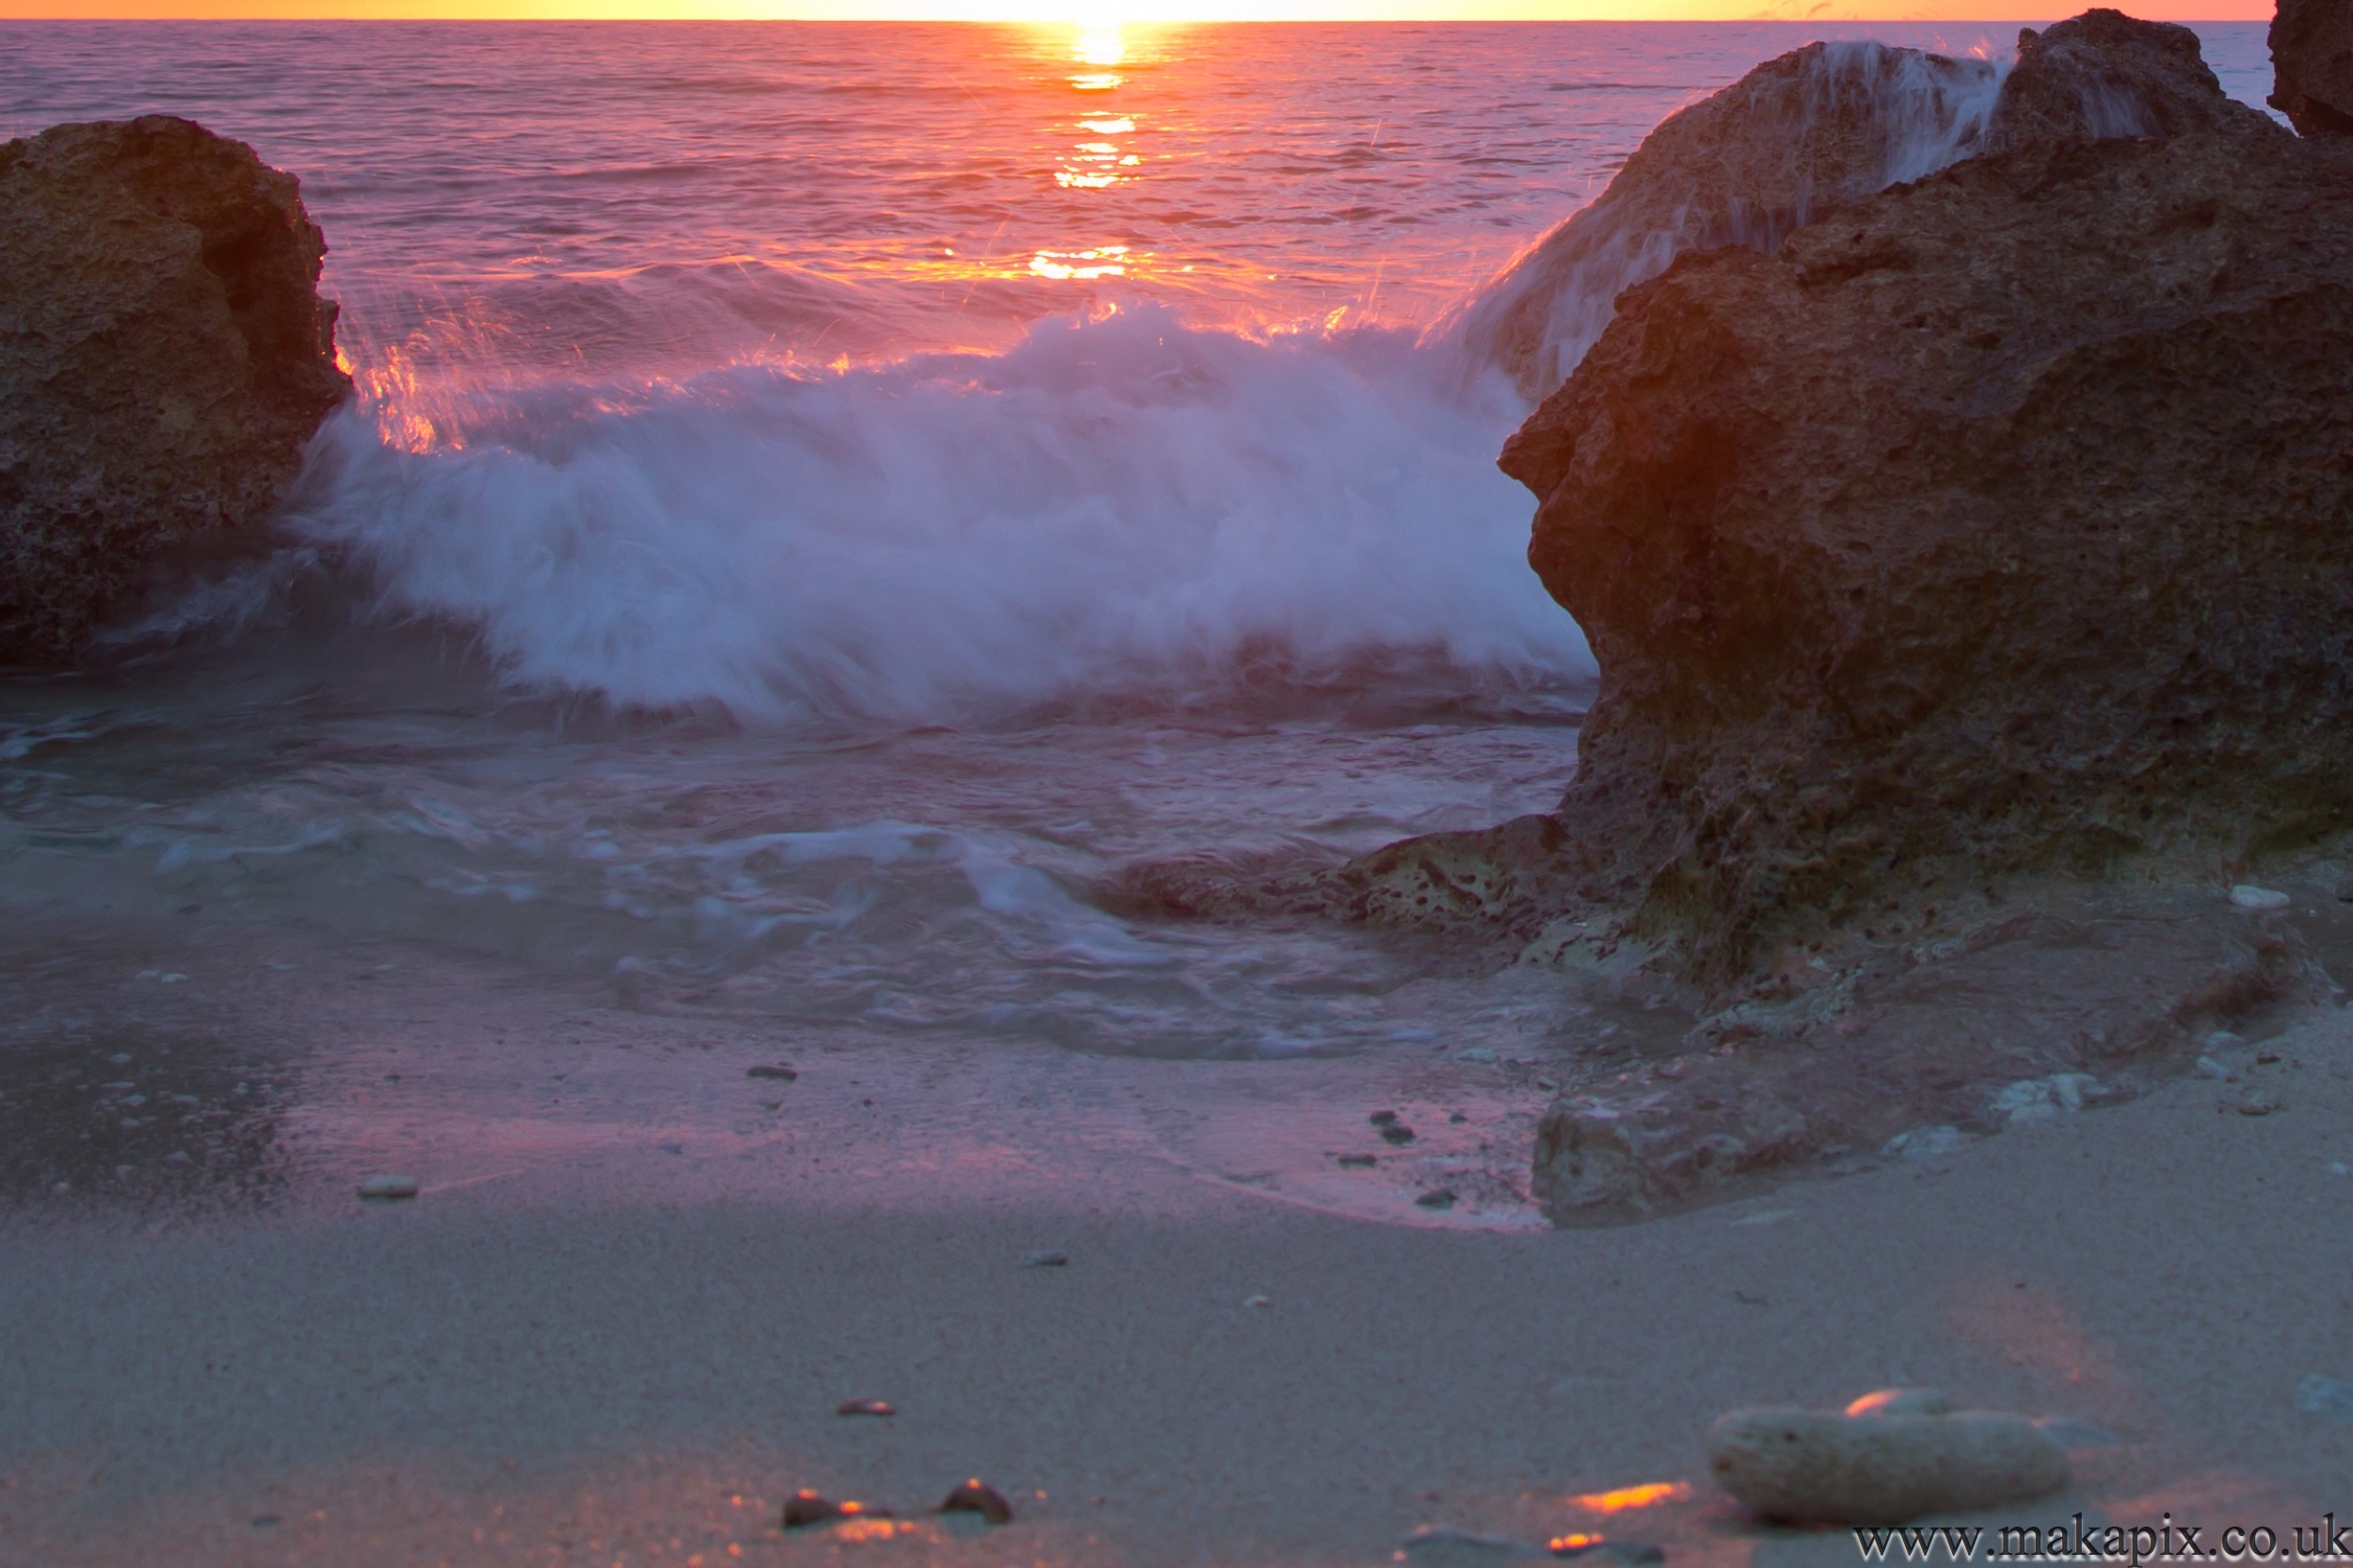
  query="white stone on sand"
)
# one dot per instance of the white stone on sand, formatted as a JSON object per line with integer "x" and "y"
{"x": 1880, "y": 1464}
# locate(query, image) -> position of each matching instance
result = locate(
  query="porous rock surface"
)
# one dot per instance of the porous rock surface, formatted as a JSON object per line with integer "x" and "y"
{"x": 1997, "y": 524}
{"x": 2105, "y": 75}
{"x": 1885, "y": 1466}
{"x": 2311, "y": 66}
{"x": 164, "y": 359}
{"x": 1989, "y": 546}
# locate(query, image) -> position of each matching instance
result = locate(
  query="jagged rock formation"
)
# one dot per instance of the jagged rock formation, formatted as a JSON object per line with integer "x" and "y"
{"x": 1787, "y": 144}
{"x": 2311, "y": 66}
{"x": 1999, "y": 523}
{"x": 2105, "y": 74}
{"x": 1993, "y": 536}
{"x": 164, "y": 359}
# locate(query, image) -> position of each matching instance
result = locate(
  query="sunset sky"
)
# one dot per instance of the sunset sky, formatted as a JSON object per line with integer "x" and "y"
{"x": 1142, "y": 10}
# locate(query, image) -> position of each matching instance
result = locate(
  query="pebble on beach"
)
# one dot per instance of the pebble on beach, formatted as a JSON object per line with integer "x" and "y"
{"x": 384, "y": 1188}
{"x": 2247, "y": 896}
{"x": 781, "y": 1074}
{"x": 1888, "y": 1458}
{"x": 1046, "y": 1260}
{"x": 1397, "y": 1132}
{"x": 806, "y": 1507}
{"x": 866, "y": 1407}
{"x": 978, "y": 1496}
{"x": 1441, "y": 1198}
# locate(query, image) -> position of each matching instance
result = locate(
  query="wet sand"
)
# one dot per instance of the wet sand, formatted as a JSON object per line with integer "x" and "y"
{"x": 616, "y": 1325}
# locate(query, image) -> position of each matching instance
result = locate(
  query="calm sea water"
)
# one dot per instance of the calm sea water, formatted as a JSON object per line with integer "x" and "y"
{"x": 827, "y": 499}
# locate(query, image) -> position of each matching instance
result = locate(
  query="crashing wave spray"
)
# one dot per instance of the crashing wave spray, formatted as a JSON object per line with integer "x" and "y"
{"x": 1119, "y": 505}
{"x": 1785, "y": 145}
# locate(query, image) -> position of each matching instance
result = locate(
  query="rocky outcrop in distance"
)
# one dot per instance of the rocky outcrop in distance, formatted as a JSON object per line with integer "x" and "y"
{"x": 165, "y": 357}
{"x": 2311, "y": 66}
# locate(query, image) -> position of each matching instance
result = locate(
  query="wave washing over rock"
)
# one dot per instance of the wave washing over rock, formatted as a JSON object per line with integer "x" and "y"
{"x": 1969, "y": 574}
{"x": 1790, "y": 143}
{"x": 1966, "y": 578}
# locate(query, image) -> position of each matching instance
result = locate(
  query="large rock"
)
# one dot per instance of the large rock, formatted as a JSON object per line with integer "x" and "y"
{"x": 164, "y": 359}
{"x": 2311, "y": 66}
{"x": 2105, "y": 74}
{"x": 2002, "y": 522}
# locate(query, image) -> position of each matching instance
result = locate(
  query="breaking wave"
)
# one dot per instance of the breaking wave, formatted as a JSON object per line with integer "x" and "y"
{"x": 1119, "y": 504}
{"x": 1122, "y": 503}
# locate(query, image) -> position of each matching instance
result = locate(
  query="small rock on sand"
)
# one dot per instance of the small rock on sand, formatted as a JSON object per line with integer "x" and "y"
{"x": 978, "y": 1496}
{"x": 806, "y": 1507}
{"x": 2247, "y": 896}
{"x": 781, "y": 1074}
{"x": 1442, "y": 1198}
{"x": 1046, "y": 1260}
{"x": 384, "y": 1188}
{"x": 1438, "y": 1547}
{"x": 1924, "y": 1143}
{"x": 1397, "y": 1132}
{"x": 865, "y": 1407}
{"x": 1888, "y": 1463}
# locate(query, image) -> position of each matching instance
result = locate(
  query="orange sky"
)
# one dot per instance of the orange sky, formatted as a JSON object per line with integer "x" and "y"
{"x": 1648, "y": 11}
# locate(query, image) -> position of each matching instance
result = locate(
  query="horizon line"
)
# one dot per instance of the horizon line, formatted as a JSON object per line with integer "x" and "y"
{"x": 1653, "y": 12}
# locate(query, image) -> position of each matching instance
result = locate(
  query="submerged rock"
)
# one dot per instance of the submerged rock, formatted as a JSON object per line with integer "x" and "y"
{"x": 1996, "y": 525}
{"x": 164, "y": 359}
{"x": 2311, "y": 66}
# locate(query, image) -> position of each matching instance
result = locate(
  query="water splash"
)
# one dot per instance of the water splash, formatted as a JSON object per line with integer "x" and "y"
{"x": 1120, "y": 504}
{"x": 1790, "y": 141}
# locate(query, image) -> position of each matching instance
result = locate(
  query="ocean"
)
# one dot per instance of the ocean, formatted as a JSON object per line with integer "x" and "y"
{"x": 826, "y": 502}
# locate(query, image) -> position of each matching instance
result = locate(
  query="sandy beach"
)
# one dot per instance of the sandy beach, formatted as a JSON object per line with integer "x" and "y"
{"x": 615, "y": 1325}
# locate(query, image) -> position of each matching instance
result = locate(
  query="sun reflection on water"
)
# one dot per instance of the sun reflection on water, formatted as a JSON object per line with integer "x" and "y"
{"x": 1106, "y": 260}
{"x": 1099, "y": 44}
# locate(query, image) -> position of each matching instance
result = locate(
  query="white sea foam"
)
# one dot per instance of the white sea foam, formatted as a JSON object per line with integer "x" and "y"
{"x": 1120, "y": 502}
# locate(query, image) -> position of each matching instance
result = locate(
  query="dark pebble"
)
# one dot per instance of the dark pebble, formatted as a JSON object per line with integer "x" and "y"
{"x": 1046, "y": 1260}
{"x": 1397, "y": 1132}
{"x": 1358, "y": 1160}
{"x": 807, "y": 1508}
{"x": 1442, "y": 1198}
{"x": 782, "y": 1075}
{"x": 978, "y": 1496}
{"x": 865, "y": 1407}
{"x": 1382, "y": 1118}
